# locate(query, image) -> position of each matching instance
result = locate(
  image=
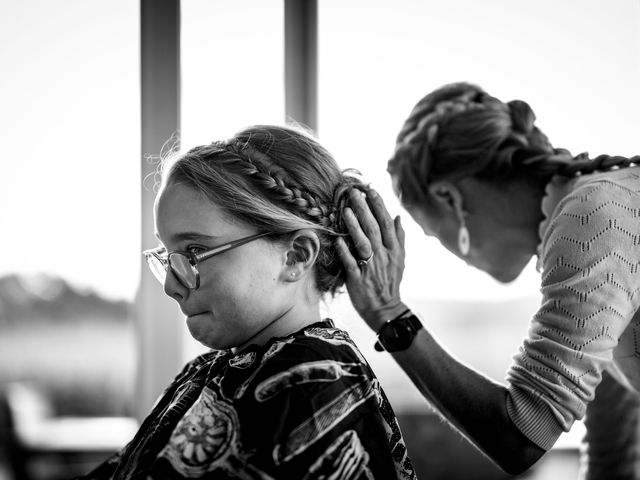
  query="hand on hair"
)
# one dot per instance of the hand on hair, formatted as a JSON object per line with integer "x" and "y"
{"x": 374, "y": 286}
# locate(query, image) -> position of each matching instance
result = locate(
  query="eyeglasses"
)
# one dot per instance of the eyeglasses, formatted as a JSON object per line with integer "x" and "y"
{"x": 184, "y": 265}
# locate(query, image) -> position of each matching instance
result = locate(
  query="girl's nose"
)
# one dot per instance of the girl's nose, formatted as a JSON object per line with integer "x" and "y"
{"x": 173, "y": 288}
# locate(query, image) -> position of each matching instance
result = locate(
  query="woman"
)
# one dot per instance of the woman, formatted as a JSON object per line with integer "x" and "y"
{"x": 246, "y": 230}
{"x": 476, "y": 173}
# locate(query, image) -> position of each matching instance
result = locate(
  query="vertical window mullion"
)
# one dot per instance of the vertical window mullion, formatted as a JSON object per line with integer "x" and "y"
{"x": 159, "y": 328}
{"x": 301, "y": 58}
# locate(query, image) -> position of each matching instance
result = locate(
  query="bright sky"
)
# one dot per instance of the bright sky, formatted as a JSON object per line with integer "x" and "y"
{"x": 69, "y": 115}
{"x": 69, "y": 127}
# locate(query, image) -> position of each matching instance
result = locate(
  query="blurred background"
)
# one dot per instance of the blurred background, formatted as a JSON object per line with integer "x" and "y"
{"x": 91, "y": 91}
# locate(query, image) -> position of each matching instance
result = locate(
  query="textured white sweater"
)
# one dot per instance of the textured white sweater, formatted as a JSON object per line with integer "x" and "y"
{"x": 589, "y": 318}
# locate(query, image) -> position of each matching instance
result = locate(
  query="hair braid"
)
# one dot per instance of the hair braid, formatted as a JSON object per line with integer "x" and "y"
{"x": 459, "y": 131}
{"x": 274, "y": 179}
{"x": 562, "y": 162}
{"x": 541, "y": 159}
{"x": 582, "y": 164}
{"x": 445, "y": 136}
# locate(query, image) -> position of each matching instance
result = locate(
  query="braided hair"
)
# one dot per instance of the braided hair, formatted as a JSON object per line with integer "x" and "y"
{"x": 277, "y": 179}
{"x": 459, "y": 130}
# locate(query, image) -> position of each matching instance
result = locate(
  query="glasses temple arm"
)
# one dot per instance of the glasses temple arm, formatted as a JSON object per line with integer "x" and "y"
{"x": 229, "y": 246}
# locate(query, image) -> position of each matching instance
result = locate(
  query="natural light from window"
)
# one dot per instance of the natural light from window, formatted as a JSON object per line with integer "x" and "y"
{"x": 70, "y": 130}
{"x": 70, "y": 108}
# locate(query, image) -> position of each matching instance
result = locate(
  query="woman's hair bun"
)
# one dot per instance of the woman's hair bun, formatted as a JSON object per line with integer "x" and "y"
{"x": 522, "y": 116}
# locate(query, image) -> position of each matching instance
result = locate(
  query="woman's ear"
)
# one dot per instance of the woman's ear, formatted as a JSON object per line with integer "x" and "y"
{"x": 447, "y": 196}
{"x": 301, "y": 254}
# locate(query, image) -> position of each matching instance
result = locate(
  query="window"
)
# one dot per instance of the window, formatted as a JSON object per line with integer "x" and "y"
{"x": 232, "y": 67}
{"x": 70, "y": 136}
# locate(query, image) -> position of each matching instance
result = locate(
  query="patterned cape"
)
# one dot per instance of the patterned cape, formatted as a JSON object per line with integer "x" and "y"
{"x": 306, "y": 407}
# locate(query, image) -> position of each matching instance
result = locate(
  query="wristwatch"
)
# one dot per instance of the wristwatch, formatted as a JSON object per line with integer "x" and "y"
{"x": 397, "y": 334}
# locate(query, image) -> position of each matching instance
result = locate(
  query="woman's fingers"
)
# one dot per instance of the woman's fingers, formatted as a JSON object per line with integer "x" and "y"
{"x": 350, "y": 263}
{"x": 386, "y": 225}
{"x": 360, "y": 240}
{"x": 370, "y": 225}
{"x": 375, "y": 266}
{"x": 368, "y": 222}
{"x": 399, "y": 232}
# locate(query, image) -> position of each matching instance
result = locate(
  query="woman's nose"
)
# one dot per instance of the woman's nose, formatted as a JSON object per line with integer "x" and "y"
{"x": 173, "y": 288}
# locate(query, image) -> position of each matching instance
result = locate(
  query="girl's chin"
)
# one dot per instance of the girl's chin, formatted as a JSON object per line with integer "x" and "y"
{"x": 201, "y": 328}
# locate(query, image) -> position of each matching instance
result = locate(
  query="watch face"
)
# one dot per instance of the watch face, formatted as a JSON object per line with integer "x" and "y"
{"x": 398, "y": 335}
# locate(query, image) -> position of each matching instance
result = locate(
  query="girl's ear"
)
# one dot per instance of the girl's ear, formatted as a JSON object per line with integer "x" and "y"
{"x": 301, "y": 254}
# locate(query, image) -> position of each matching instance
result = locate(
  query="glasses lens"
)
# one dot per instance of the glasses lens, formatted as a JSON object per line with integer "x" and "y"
{"x": 183, "y": 270}
{"x": 157, "y": 267}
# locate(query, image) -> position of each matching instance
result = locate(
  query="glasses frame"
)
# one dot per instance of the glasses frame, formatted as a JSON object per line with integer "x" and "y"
{"x": 194, "y": 258}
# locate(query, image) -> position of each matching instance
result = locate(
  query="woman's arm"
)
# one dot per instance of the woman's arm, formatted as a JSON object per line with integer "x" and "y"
{"x": 472, "y": 403}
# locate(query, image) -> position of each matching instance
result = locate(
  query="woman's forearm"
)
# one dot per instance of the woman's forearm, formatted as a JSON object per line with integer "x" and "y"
{"x": 471, "y": 402}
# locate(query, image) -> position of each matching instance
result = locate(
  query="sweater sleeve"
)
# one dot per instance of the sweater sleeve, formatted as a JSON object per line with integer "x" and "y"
{"x": 590, "y": 291}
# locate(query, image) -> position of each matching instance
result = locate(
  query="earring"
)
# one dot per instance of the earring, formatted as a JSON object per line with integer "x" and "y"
{"x": 464, "y": 242}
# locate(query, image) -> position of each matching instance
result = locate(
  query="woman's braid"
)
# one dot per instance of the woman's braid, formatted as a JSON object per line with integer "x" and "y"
{"x": 460, "y": 131}
{"x": 563, "y": 163}
{"x": 538, "y": 156}
{"x": 435, "y": 141}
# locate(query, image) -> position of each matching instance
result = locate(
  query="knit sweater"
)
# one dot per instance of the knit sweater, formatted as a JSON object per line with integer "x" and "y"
{"x": 589, "y": 318}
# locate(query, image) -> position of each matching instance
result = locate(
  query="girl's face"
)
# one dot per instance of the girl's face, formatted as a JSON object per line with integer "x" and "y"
{"x": 242, "y": 292}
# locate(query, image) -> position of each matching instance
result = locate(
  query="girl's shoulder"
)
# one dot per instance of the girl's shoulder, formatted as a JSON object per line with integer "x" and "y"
{"x": 315, "y": 342}
{"x": 317, "y": 355}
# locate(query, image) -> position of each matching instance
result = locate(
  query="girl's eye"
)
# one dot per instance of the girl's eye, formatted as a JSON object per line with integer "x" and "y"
{"x": 195, "y": 249}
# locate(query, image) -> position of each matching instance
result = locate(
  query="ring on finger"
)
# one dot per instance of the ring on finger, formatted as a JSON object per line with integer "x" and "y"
{"x": 363, "y": 262}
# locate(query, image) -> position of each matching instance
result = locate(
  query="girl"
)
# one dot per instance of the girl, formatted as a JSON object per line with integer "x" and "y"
{"x": 247, "y": 229}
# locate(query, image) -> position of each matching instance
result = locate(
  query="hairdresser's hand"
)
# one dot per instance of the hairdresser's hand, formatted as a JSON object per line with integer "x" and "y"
{"x": 373, "y": 287}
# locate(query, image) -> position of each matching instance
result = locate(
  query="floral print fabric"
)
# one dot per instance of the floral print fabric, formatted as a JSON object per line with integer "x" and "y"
{"x": 303, "y": 407}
